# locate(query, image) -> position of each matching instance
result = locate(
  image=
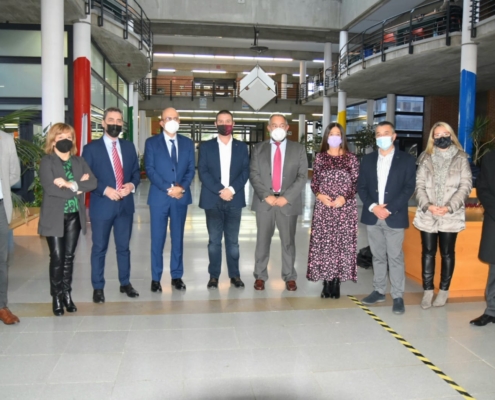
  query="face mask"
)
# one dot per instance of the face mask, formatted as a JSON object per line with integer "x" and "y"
{"x": 64, "y": 145}
{"x": 334, "y": 141}
{"x": 443, "y": 142}
{"x": 278, "y": 134}
{"x": 114, "y": 130}
{"x": 172, "y": 126}
{"x": 225, "y": 130}
{"x": 384, "y": 142}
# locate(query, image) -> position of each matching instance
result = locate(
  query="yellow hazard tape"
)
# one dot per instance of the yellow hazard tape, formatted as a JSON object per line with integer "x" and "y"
{"x": 411, "y": 348}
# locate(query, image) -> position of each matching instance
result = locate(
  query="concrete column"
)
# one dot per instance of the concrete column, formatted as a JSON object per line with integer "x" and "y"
{"x": 82, "y": 81}
{"x": 302, "y": 79}
{"x": 342, "y": 100}
{"x": 370, "y": 112}
{"x": 327, "y": 113}
{"x": 52, "y": 63}
{"x": 144, "y": 130}
{"x": 283, "y": 86}
{"x": 135, "y": 119}
{"x": 467, "y": 93}
{"x": 149, "y": 84}
{"x": 390, "y": 115}
{"x": 302, "y": 126}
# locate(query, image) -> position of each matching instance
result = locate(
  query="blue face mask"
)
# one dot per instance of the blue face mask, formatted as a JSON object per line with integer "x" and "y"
{"x": 384, "y": 142}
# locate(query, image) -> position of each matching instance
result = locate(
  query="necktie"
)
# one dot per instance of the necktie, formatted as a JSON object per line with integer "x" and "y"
{"x": 277, "y": 169}
{"x": 174, "y": 153}
{"x": 117, "y": 165}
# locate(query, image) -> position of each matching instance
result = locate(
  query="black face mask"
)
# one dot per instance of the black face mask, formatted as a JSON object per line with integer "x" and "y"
{"x": 64, "y": 145}
{"x": 114, "y": 130}
{"x": 225, "y": 130}
{"x": 443, "y": 142}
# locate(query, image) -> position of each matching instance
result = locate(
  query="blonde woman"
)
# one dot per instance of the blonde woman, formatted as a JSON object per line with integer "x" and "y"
{"x": 64, "y": 177}
{"x": 443, "y": 182}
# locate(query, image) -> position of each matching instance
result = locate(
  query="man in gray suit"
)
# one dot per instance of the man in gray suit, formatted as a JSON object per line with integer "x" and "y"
{"x": 10, "y": 173}
{"x": 278, "y": 173}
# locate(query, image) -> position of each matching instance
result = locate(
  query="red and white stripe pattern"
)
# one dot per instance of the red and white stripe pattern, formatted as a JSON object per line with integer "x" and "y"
{"x": 117, "y": 165}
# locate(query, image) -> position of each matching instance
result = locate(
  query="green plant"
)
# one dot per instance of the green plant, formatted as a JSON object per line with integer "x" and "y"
{"x": 364, "y": 139}
{"x": 483, "y": 140}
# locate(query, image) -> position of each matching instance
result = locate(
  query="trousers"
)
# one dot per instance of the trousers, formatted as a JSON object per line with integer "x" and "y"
{"x": 430, "y": 243}
{"x": 4, "y": 254}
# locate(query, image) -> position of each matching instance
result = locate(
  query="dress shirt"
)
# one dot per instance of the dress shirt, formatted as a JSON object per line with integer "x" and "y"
{"x": 283, "y": 146}
{"x": 169, "y": 144}
{"x": 382, "y": 170}
{"x": 109, "y": 146}
{"x": 225, "y": 151}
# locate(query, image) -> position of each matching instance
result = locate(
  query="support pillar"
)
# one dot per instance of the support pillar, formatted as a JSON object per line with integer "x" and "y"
{"x": 390, "y": 114}
{"x": 52, "y": 63}
{"x": 144, "y": 130}
{"x": 283, "y": 86}
{"x": 135, "y": 119}
{"x": 467, "y": 93}
{"x": 342, "y": 100}
{"x": 370, "y": 112}
{"x": 302, "y": 126}
{"x": 303, "y": 89}
{"x": 82, "y": 81}
{"x": 327, "y": 112}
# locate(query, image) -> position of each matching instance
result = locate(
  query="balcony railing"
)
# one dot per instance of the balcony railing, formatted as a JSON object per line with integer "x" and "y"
{"x": 480, "y": 11}
{"x": 174, "y": 88}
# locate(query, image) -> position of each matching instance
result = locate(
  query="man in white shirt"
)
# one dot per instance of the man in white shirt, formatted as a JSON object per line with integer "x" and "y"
{"x": 387, "y": 179}
{"x": 223, "y": 168}
{"x": 10, "y": 173}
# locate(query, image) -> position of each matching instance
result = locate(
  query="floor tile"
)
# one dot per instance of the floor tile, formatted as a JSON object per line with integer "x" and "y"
{"x": 217, "y": 364}
{"x": 219, "y": 389}
{"x": 78, "y": 368}
{"x": 264, "y": 336}
{"x": 154, "y": 341}
{"x": 141, "y": 367}
{"x": 209, "y": 339}
{"x": 106, "y": 323}
{"x": 15, "y": 370}
{"x": 290, "y": 387}
{"x": 170, "y": 390}
{"x": 97, "y": 342}
{"x": 77, "y": 391}
{"x": 21, "y": 392}
{"x": 40, "y": 343}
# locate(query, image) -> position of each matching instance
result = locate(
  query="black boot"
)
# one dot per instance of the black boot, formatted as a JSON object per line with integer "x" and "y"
{"x": 57, "y": 306}
{"x": 68, "y": 303}
{"x": 335, "y": 288}
{"x": 325, "y": 293}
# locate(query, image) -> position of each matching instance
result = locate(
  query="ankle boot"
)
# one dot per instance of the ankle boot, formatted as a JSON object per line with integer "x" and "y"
{"x": 325, "y": 293}
{"x": 441, "y": 298}
{"x": 335, "y": 288}
{"x": 427, "y": 298}
{"x": 68, "y": 303}
{"x": 57, "y": 306}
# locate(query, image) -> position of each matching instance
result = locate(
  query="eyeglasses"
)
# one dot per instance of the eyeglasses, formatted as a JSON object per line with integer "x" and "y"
{"x": 176, "y": 119}
{"x": 439, "y": 135}
{"x": 274, "y": 126}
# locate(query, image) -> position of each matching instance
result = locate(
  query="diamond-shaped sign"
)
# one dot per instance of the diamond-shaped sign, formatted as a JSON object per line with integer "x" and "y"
{"x": 257, "y": 88}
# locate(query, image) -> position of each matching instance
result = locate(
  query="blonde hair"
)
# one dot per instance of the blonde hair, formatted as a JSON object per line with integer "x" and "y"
{"x": 430, "y": 145}
{"x": 56, "y": 130}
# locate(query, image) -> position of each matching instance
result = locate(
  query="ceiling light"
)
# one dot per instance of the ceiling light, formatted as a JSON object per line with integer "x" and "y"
{"x": 282, "y": 59}
{"x": 166, "y": 69}
{"x": 298, "y": 75}
{"x": 183, "y": 55}
{"x": 185, "y": 111}
{"x": 319, "y": 61}
{"x": 317, "y": 115}
{"x": 271, "y": 73}
{"x": 163, "y": 55}
{"x": 227, "y": 57}
{"x": 243, "y": 58}
{"x": 204, "y": 71}
{"x": 264, "y": 58}
{"x": 203, "y": 56}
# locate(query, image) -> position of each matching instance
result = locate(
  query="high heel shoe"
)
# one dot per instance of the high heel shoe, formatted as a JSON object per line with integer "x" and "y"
{"x": 68, "y": 303}
{"x": 325, "y": 293}
{"x": 335, "y": 289}
{"x": 57, "y": 306}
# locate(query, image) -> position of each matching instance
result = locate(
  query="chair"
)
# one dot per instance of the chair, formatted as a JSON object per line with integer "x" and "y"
{"x": 388, "y": 40}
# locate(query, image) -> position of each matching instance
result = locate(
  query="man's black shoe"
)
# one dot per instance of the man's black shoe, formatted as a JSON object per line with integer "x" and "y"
{"x": 237, "y": 282}
{"x": 98, "y": 296}
{"x": 212, "y": 283}
{"x": 156, "y": 286}
{"x": 178, "y": 284}
{"x": 483, "y": 320}
{"x": 129, "y": 290}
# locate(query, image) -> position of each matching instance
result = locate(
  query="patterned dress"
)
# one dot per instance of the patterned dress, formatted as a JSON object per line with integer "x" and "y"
{"x": 333, "y": 242}
{"x": 71, "y": 205}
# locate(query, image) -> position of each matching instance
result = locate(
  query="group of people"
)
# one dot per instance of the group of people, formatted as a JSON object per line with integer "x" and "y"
{"x": 385, "y": 180}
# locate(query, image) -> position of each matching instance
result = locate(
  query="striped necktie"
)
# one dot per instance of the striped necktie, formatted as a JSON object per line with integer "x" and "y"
{"x": 117, "y": 165}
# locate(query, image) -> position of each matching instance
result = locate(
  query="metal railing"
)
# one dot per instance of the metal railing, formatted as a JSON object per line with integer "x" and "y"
{"x": 187, "y": 88}
{"x": 130, "y": 15}
{"x": 480, "y": 11}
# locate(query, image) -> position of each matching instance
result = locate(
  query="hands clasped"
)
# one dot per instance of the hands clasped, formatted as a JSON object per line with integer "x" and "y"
{"x": 338, "y": 202}
{"x": 438, "y": 211}
{"x": 117, "y": 195}
{"x": 226, "y": 194}
{"x": 275, "y": 201}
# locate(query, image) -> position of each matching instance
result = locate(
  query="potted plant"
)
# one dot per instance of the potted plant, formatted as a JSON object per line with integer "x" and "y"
{"x": 483, "y": 142}
{"x": 364, "y": 139}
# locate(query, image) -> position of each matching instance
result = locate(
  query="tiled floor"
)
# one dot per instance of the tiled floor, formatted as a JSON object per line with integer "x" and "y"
{"x": 229, "y": 343}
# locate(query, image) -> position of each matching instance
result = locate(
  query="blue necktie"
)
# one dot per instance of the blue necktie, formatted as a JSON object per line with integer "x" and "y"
{"x": 174, "y": 158}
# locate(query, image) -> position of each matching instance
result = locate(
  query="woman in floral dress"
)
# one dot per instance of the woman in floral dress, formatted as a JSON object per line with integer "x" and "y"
{"x": 332, "y": 246}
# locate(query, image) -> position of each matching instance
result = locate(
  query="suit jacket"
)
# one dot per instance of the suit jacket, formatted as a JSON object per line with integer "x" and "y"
{"x": 96, "y": 155}
{"x": 400, "y": 186}
{"x": 294, "y": 176}
{"x": 54, "y": 198}
{"x": 210, "y": 174}
{"x": 10, "y": 170}
{"x": 160, "y": 169}
{"x": 485, "y": 188}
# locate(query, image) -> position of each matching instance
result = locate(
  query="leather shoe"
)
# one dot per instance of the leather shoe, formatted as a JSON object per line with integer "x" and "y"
{"x": 212, "y": 283}
{"x": 98, "y": 296}
{"x": 57, "y": 305}
{"x": 156, "y": 286}
{"x": 129, "y": 290}
{"x": 237, "y": 282}
{"x": 259, "y": 284}
{"x": 7, "y": 317}
{"x": 483, "y": 320}
{"x": 68, "y": 303}
{"x": 291, "y": 286}
{"x": 178, "y": 284}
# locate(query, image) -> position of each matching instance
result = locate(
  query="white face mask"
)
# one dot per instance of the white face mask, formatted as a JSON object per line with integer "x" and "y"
{"x": 278, "y": 134}
{"x": 171, "y": 126}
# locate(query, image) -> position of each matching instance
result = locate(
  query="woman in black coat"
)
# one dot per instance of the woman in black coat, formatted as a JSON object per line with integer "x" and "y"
{"x": 64, "y": 177}
{"x": 485, "y": 188}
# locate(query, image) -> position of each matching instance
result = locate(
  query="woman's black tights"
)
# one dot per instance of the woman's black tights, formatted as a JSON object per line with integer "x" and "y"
{"x": 62, "y": 251}
{"x": 447, "y": 252}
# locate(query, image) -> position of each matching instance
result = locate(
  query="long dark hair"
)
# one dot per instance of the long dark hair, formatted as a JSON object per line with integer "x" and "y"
{"x": 324, "y": 141}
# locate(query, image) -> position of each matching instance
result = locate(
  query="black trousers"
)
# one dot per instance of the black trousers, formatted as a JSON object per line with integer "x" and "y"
{"x": 62, "y": 251}
{"x": 430, "y": 242}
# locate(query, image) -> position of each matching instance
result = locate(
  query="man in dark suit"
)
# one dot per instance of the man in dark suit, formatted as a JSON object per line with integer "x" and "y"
{"x": 223, "y": 169}
{"x": 485, "y": 188}
{"x": 278, "y": 173}
{"x": 115, "y": 165}
{"x": 169, "y": 160}
{"x": 387, "y": 179}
